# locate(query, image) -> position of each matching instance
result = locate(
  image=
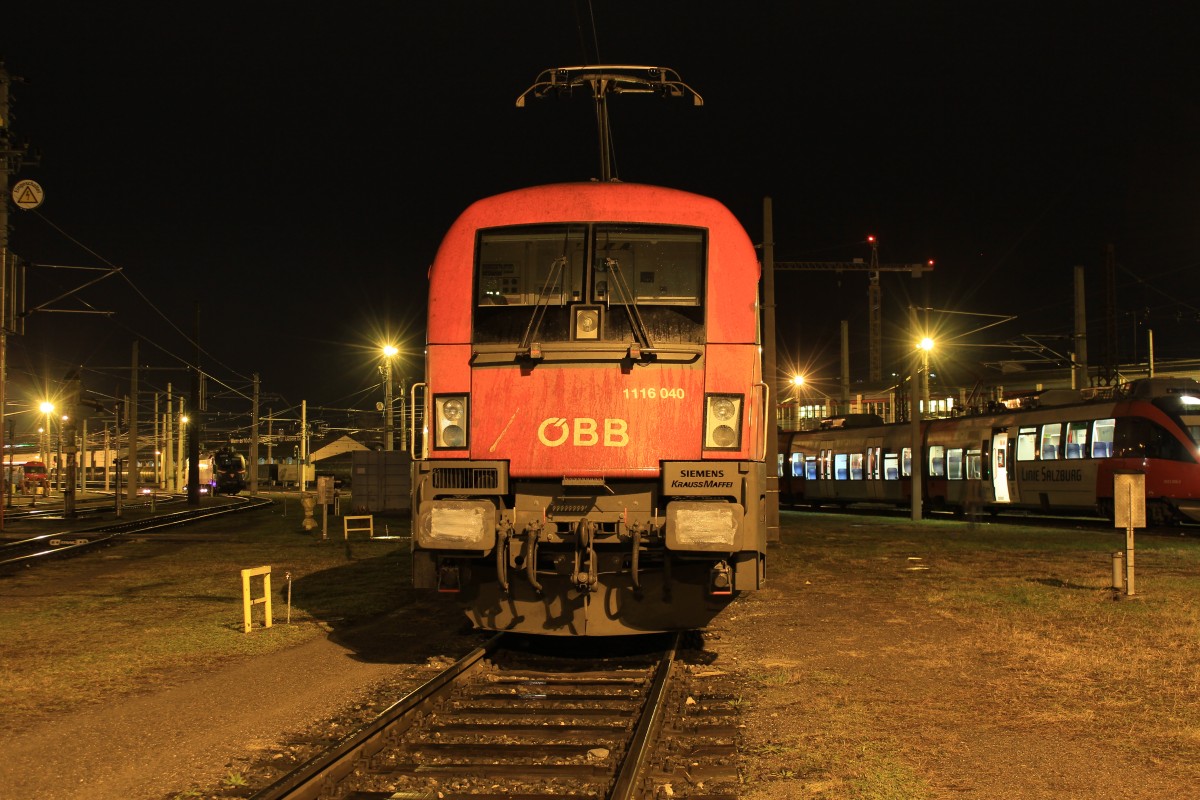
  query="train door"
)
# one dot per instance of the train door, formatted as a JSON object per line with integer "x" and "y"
{"x": 1000, "y": 466}
{"x": 873, "y": 468}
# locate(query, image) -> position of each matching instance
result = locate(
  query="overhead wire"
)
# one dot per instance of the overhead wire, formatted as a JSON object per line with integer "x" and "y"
{"x": 142, "y": 295}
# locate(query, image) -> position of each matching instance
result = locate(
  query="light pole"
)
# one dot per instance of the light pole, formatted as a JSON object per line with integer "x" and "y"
{"x": 47, "y": 408}
{"x": 797, "y": 385}
{"x": 916, "y": 463}
{"x": 388, "y": 352}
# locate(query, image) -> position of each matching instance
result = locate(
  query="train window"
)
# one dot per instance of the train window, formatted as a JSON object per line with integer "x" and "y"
{"x": 797, "y": 465}
{"x": 954, "y": 463}
{"x": 891, "y": 467}
{"x": 527, "y": 264}
{"x": 529, "y": 278}
{"x": 974, "y": 464}
{"x": 779, "y": 467}
{"x": 937, "y": 461}
{"x": 856, "y": 466}
{"x": 810, "y": 468}
{"x": 840, "y": 472}
{"x": 1051, "y": 434}
{"x": 1027, "y": 444}
{"x": 827, "y": 464}
{"x": 661, "y": 266}
{"x": 873, "y": 463}
{"x": 660, "y": 270}
{"x": 906, "y": 462}
{"x": 1138, "y": 437}
{"x": 1102, "y": 437}
{"x": 1077, "y": 438}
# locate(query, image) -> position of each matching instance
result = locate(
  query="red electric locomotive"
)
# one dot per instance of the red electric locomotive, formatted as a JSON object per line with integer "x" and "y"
{"x": 1058, "y": 456}
{"x": 596, "y": 415}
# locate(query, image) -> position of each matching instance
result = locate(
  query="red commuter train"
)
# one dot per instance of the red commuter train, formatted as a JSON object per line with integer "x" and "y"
{"x": 596, "y": 414}
{"x": 1056, "y": 457}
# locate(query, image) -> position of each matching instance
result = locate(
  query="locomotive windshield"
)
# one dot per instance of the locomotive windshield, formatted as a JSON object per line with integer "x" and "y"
{"x": 1185, "y": 409}
{"x": 590, "y": 282}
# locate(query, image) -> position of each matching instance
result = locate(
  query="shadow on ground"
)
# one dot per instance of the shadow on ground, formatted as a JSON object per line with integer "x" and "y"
{"x": 369, "y": 606}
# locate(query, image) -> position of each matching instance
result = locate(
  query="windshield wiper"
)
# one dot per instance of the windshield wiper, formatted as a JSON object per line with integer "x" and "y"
{"x": 543, "y": 302}
{"x": 626, "y": 298}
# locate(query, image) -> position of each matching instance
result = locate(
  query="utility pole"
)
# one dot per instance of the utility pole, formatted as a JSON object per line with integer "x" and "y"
{"x": 12, "y": 158}
{"x": 387, "y": 403}
{"x": 1108, "y": 374}
{"x": 770, "y": 373}
{"x": 132, "y": 484}
{"x": 193, "y": 429}
{"x": 1079, "y": 359}
{"x": 254, "y": 439}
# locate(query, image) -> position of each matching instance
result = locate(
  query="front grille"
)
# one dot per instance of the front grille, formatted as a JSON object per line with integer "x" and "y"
{"x": 461, "y": 478}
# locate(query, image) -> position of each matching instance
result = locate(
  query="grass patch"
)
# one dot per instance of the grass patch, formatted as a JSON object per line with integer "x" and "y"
{"x": 152, "y": 612}
{"x": 938, "y": 629}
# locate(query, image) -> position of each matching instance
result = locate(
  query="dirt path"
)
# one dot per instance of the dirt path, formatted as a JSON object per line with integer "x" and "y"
{"x": 194, "y": 734}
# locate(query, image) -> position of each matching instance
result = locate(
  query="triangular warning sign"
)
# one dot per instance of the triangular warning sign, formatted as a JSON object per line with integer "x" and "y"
{"x": 27, "y": 194}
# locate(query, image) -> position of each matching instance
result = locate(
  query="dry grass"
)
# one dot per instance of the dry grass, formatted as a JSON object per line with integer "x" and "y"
{"x": 145, "y": 614}
{"x": 924, "y": 658}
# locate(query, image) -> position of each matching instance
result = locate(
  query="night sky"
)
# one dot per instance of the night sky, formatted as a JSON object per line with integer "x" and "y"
{"x": 277, "y": 176}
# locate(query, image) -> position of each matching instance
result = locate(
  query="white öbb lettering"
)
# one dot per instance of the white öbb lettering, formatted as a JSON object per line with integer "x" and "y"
{"x": 583, "y": 432}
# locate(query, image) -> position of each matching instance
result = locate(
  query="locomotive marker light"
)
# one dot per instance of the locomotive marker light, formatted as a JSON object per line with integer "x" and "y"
{"x": 450, "y": 415}
{"x": 723, "y": 422}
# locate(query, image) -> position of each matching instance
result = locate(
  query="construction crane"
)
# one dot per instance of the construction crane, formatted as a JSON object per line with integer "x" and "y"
{"x": 874, "y": 294}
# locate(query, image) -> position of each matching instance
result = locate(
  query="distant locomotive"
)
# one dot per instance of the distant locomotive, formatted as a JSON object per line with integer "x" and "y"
{"x": 593, "y": 463}
{"x": 228, "y": 470}
{"x": 1056, "y": 457}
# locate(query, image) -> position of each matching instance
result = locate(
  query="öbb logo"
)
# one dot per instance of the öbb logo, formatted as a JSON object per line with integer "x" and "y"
{"x": 583, "y": 432}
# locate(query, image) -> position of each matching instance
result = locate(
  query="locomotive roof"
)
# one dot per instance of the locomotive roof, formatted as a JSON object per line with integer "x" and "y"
{"x": 1140, "y": 389}
{"x": 594, "y": 200}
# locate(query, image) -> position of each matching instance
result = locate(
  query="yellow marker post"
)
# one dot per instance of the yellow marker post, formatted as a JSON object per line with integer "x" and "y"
{"x": 351, "y": 524}
{"x": 248, "y": 603}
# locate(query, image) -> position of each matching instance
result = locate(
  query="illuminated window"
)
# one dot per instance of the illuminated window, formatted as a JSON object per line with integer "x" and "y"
{"x": 1027, "y": 444}
{"x": 1077, "y": 439}
{"x": 856, "y": 466}
{"x": 974, "y": 464}
{"x": 1051, "y": 434}
{"x": 891, "y": 467}
{"x": 840, "y": 469}
{"x": 1102, "y": 437}
{"x": 937, "y": 461}
{"x": 954, "y": 463}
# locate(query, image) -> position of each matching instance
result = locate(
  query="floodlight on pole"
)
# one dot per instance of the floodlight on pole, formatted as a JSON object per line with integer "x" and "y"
{"x": 916, "y": 462}
{"x": 389, "y": 351}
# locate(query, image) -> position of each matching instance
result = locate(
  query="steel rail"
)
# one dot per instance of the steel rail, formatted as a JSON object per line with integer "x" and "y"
{"x": 624, "y": 786}
{"x": 307, "y": 781}
{"x": 107, "y": 533}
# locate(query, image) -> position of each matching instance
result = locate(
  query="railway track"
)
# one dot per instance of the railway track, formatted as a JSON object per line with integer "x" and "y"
{"x": 75, "y": 541}
{"x": 1014, "y": 517}
{"x": 508, "y": 722}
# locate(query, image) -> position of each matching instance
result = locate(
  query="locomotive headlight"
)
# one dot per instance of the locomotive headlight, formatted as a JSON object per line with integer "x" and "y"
{"x": 450, "y": 413}
{"x": 457, "y": 525}
{"x": 452, "y": 409}
{"x": 704, "y": 526}
{"x": 587, "y": 322}
{"x": 723, "y": 421}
